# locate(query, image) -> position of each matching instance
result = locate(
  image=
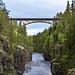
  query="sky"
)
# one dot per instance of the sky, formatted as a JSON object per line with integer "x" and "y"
{"x": 35, "y": 9}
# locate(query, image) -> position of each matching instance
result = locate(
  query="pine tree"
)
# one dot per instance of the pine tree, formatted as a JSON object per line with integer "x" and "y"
{"x": 2, "y": 5}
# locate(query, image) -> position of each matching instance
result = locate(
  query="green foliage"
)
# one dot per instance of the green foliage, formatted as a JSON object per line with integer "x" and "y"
{"x": 30, "y": 42}
{"x": 39, "y": 39}
{"x": 63, "y": 35}
{"x": 46, "y": 43}
{"x": 2, "y": 73}
{"x": 51, "y": 41}
{"x": 61, "y": 38}
{"x": 3, "y": 20}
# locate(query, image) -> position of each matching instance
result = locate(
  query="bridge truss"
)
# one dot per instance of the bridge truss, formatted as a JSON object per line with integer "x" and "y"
{"x": 27, "y": 21}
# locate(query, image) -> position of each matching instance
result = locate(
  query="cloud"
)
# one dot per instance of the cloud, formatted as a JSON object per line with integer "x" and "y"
{"x": 35, "y": 8}
{"x": 34, "y": 31}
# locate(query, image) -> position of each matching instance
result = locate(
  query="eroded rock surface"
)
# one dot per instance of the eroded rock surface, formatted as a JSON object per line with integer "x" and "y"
{"x": 46, "y": 55}
{"x": 71, "y": 71}
{"x": 20, "y": 57}
{"x": 6, "y": 65}
{"x": 55, "y": 67}
{"x": 13, "y": 64}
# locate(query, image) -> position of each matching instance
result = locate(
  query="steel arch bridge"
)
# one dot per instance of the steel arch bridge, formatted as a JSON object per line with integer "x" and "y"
{"x": 27, "y": 21}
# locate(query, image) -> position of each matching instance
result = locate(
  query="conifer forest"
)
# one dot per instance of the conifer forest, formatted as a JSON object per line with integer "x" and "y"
{"x": 57, "y": 43}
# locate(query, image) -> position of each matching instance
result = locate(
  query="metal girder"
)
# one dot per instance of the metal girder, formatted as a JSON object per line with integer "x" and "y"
{"x": 39, "y": 21}
{"x": 35, "y": 20}
{"x": 30, "y": 19}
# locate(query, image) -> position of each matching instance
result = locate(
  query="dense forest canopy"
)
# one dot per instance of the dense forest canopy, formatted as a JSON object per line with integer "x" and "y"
{"x": 62, "y": 36}
{"x": 9, "y": 30}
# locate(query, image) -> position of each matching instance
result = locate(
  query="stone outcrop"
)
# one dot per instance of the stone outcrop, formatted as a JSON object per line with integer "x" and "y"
{"x": 19, "y": 60}
{"x": 46, "y": 55}
{"x": 21, "y": 56}
{"x": 55, "y": 65}
{"x": 13, "y": 64}
{"x": 29, "y": 53}
{"x": 6, "y": 66}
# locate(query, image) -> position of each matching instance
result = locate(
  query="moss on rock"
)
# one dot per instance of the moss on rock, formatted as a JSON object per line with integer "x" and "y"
{"x": 71, "y": 71}
{"x": 2, "y": 51}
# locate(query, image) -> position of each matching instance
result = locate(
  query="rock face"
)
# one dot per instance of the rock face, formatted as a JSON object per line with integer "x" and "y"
{"x": 55, "y": 65}
{"x": 71, "y": 71}
{"x": 46, "y": 55}
{"x": 29, "y": 53}
{"x": 13, "y": 64}
{"x": 20, "y": 57}
{"x": 6, "y": 65}
{"x": 19, "y": 61}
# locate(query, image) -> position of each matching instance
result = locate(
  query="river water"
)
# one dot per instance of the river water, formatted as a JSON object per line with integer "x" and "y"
{"x": 38, "y": 66}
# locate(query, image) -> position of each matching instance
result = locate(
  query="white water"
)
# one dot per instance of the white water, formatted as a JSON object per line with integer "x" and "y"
{"x": 38, "y": 66}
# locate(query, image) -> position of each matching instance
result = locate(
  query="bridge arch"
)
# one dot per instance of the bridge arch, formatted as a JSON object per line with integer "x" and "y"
{"x": 38, "y": 22}
{"x": 35, "y": 20}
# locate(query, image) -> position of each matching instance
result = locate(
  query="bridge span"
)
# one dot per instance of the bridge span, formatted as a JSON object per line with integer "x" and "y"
{"x": 27, "y": 21}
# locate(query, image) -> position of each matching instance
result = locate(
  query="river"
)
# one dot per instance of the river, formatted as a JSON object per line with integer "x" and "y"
{"x": 38, "y": 66}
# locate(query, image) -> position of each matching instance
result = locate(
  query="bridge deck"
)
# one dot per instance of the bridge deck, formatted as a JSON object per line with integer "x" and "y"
{"x": 19, "y": 19}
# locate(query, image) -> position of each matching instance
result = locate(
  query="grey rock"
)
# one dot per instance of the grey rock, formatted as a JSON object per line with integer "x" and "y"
{"x": 21, "y": 56}
{"x": 55, "y": 67}
{"x": 15, "y": 62}
{"x": 46, "y": 55}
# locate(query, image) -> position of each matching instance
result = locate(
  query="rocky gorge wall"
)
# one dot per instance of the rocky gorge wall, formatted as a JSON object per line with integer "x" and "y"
{"x": 13, "y": 64}
{"x": 58, "y": 63}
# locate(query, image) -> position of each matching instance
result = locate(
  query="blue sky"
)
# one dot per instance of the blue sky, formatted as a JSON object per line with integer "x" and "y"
{"x": 35, "y": 9}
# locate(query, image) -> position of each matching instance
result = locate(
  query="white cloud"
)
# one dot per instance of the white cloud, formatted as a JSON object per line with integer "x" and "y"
{"x": 35, "y": 8}
{"x": 34, "y": 31}
{"x": 38, "y": 8}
